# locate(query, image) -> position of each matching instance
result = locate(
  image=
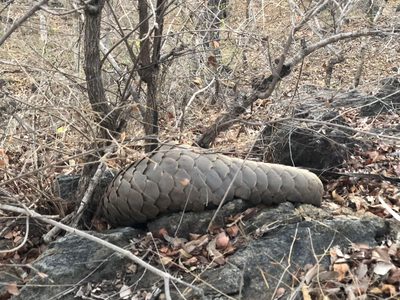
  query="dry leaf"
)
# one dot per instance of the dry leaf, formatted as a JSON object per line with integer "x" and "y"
{"x": 376, "y": 291}
{"x": 229, "y": 249}
{"x": 162, "y": 232}
{"x": 305, "y": 293}
{"x": 165, "y": 260}
{"x": 382, "y": 268}
{"x": 221, "y": 240}
{"x": 163, "y": 249}
{"x": 214, "y": 253}
{"x": 342, "y": 270}
{"x": 131, "y": 269}
{"x": 311, "y": 273}
{"x": 193, "y": 261}
{"x": 233, "y": 230}
{"x": 12, "y": 289}
{"x": 326, "y": 276}
{"x": 339, "y": 199}
{"x": 196, "y": 244}
{"x": 373, "y": 156}
{"x": 17, "y": 239}
{"x": 9, "y": 235}
{"x": 389, "y": 289}
{"x": 3, "y": 159}
{"x": 357, "y": 201}
{"x": 125, "y": 292}
{"x": 183, "y": 254}
{"x": 279, "y": 293}
{"x": 393, "y": 249}
{"x": 197, "y": 81}
{"x": 381, "y": 254}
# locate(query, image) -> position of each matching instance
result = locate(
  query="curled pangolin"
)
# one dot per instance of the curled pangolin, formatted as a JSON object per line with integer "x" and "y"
{"x": 178, "y": 178}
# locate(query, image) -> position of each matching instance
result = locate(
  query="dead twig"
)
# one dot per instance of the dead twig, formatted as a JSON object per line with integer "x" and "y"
{"x": 166, "y": 276}
{"x": 23, "y": 241}
{"x": 21, "y": 20}
{"x": 394, "y": 214}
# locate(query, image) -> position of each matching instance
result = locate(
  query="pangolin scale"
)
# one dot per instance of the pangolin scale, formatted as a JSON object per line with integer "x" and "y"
{"x": 178, "y": 178}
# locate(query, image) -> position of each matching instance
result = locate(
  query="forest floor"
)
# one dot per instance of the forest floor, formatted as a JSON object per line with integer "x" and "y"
{"x": 44, "y": 137}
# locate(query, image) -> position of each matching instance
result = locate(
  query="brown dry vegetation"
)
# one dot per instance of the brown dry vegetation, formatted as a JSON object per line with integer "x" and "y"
{"x": 46, "y": 80}
{"x": 52, "y": 124}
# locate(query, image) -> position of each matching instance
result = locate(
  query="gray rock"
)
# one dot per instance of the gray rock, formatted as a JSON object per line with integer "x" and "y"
{"x": 66, "y": 186}
{"x": 287, "y": 239}
{"x": 289, "y": 249}
{"x": 321, "y": 144}
{"x": 72, "y": 261}
{"x": 386, "y": 99}
{"x": 182, "y": 224}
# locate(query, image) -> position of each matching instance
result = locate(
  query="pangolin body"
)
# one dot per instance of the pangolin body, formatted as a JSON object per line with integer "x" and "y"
{"x": 178, "y": 178}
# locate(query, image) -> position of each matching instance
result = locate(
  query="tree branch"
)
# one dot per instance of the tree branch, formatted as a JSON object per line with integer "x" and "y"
{"x": 166, "y": 276}
{"x": 264, "y": 88}
{"x": 21, "y": 20}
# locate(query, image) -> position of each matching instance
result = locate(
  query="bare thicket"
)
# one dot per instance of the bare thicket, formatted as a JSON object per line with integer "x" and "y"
{"x": 86, "y": 84}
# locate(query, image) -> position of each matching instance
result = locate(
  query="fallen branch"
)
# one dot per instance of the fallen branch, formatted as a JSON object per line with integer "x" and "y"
{"x": 21, "y": 20}
{"x": 179, "y": 122}
{"x": 23, "y": 241}
{"x": 166, "y": 276}
{"x": 266, "y": 86}
{"x": 380, "y": 177}
{"x": 74, "y": 218}
{"x": 394, "y": 214}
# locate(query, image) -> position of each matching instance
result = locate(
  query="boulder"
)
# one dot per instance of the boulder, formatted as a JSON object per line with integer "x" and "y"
{"x": 386, "y": 100}
{"x": 320, "y": 141}
{"x": 72, "y": 261}
{"x": 285, "y": 241}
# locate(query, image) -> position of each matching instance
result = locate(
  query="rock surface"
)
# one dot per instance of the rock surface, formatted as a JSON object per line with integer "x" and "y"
{"x": 386, "y": 100}
{"x": 323, "y": 142}
{"x": 73, "y": 261}
{"x": 289, "y": 239}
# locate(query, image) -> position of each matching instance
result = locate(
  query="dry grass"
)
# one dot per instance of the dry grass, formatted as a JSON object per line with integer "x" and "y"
{"x": 46, "y": 80}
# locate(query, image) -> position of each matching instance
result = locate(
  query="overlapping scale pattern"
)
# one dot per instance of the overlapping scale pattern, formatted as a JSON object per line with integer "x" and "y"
{"x": 177, "y": 178}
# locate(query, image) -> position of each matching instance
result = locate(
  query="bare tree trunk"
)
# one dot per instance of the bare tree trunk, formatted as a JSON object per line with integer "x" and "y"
{"x": 374, "y": 11}
{"x": 329, "y": 68}
{"x": 107, "y": 117}
{"x": 360, "y": 66}
{"x": 149, "y": 69}
{"x": 263, "y": 88}
{"x": 215, "y": 14}
{"x": 92, "y": 68}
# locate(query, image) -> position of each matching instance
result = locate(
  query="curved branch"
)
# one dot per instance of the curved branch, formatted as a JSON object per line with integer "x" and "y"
{"x": 166, "y": 276}
{"x": 21, "y": 20}
{"x": 267, "y": 85}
